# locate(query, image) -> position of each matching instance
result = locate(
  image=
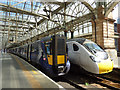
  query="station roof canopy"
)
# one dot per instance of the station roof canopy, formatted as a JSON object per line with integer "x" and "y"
{"x": 30, "y": 18}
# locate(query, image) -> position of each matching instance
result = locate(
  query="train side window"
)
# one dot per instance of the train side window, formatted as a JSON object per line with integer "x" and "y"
{"x": 75, "y": 47}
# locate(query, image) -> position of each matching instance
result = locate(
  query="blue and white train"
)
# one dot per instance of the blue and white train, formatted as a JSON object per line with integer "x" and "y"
{"x": 49, "y": 53}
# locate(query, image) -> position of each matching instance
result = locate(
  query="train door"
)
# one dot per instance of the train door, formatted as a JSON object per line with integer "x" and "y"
{"x": 49, "y": 53}
{"x": 40, "y": 52}
{"x": 29, "y": 52}
{"x": 34, "y": 52}
{"x": 26, "y": 51}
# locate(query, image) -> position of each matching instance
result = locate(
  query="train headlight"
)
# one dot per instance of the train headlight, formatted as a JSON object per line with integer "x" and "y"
{"x": 111, "y": 58}
{"x": 95, "y": 59}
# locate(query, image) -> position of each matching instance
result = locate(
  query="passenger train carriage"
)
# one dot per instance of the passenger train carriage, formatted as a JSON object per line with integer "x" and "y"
{"x": 89, "y": 56}
{"x": 49, "y": 53}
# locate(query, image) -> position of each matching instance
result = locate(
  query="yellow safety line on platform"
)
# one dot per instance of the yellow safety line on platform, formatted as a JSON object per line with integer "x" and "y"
{"x": 33, "y": 82}
{"x": 34, "y": 72}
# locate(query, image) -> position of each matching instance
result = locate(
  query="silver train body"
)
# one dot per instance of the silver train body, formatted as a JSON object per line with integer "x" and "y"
{"x": 89, "y": 56}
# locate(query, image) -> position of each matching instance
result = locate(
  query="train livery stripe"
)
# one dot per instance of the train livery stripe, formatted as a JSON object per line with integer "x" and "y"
{"x": 105, "y": 67}
{"x": 34, "y": 72}
{"x": 60, "y": 59}
{"x": 50, "y": 59}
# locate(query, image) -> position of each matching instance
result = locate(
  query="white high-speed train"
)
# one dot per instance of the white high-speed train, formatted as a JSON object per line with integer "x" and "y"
{"x": 89, "y": 56}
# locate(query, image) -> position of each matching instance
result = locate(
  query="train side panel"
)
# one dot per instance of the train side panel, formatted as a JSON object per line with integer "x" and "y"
{"x": 34, "y": 52}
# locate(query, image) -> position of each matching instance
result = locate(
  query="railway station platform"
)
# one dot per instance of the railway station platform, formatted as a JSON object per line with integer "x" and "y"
{"x": 17, "y": 73}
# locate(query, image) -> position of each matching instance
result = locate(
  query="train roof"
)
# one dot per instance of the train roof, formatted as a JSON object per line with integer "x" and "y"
{"x": 49, "y": 37}
{"x": 80, "y": 40}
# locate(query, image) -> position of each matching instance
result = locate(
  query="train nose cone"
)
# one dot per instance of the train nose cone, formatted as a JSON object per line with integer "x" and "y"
{"x": 102, "y": 55}
{"x": 105, "y": 66}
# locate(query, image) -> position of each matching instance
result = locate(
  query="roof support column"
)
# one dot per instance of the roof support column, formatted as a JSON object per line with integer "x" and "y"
{"x": 65, "y": 31}
{"x": 9, "y": 26}
{"x": 105, "y": 33}
{"x": 16, "y": 33}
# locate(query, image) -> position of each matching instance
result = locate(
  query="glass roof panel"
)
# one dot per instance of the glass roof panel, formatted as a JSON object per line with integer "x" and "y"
{"x": 25, "y": 13}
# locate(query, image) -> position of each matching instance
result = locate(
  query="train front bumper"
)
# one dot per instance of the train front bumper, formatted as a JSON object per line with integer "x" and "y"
{"x": 105, "y": 66}
{"x": 66, "y": 70}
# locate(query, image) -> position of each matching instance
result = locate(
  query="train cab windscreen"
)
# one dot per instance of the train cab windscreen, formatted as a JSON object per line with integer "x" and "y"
{"x": 61, "y": 47}
{"x": 61, "y": 50}
{"x": 93, "y": 46}
{"x": 96, "y": 50}
{"x": 48, "y": 48}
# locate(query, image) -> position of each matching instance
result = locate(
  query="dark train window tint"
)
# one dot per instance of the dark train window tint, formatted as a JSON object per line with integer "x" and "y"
{"x": 61, "y": 46}
{"x": 48, "y": 48}
{"x": 75, "y": 47}
{"x": 66, "y": 48}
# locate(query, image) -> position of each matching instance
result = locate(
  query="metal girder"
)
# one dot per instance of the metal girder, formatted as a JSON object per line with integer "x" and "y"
{"x": 55, "y": 11}
{"x": 111, "y": 6}
{"x": 14, "y": 26}
{"x": 11, "y": 30}
{"x": 17, "y": 10}
{"x": 13, "y": 20}
{"x": 56, "y": 3}
{"x": 60, "y": 13}
{"x": 22, "y": 21}
{"x": 19, "y": 3}
{"x": 3, "y": 32}
{"x": 72, "y": 23}
{"x": 21, "y": 11}
{"x": 68, "y": 25}
{"x": 84, "y": 35}
{"x": 8, "y": 8}
{"x": 79, "y": 20}
{"x": 87, "y": 5}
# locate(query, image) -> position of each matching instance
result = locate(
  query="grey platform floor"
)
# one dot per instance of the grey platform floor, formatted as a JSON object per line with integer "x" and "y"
{"x": 16, "y": 73}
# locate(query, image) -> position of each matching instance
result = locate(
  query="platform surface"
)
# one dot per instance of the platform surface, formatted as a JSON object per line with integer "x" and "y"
{"x": 17, "y": 73}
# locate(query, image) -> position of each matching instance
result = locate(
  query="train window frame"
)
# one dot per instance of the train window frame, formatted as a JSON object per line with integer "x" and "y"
{"x": 46, "y": 48}
{"x": 75, "y": 47}
{"x": 90, "y": 49}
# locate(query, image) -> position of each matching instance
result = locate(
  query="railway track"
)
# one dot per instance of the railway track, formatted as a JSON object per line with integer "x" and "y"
{"x": 110, "y": 79}
{"x": 83, "y": 86}
{"x": 96, "y": 82}
{"x": 80, "y": 82}
{"x": 111, "y": 84}
{"x": 76, "y": 86}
